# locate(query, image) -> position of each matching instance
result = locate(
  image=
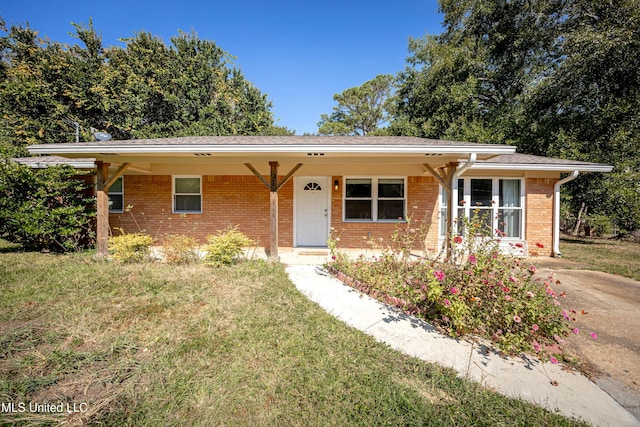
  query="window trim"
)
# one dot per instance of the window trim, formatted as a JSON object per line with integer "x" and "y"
{"x": 174, "y": 194}
{"x": 495, "y": 208}
{"x": 117, "y": 193}
{"x": 374, "y": 199}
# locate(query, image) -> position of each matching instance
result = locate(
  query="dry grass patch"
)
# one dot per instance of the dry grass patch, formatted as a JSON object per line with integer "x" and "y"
{"x": 607, "y": 255}
{"x": 187, "y": 345}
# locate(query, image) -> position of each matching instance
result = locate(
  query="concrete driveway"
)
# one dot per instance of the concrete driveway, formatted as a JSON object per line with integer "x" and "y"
{"x": 611, "y": 307}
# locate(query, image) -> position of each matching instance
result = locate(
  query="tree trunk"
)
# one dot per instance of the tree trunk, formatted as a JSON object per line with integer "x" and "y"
{"x": 583, "y": 208}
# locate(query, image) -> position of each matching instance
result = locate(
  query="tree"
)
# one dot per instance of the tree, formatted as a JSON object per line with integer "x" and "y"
{"x": 360, "y": 110}
{"x": 587, "y": 108}
{"x": 554, "y": 77}
{"x": 144, "y": 89}
{"x": 44, "y": 209}
{"x": 439, "y": 93}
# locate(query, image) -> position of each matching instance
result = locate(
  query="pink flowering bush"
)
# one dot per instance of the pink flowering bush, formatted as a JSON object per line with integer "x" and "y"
{"x": 477, "y": 290}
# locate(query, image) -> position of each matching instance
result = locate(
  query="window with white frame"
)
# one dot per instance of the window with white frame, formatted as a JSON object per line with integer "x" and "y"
{"x": 497, "y": 202}
{"x": 116, "y": 196}
{"x": 187, "y": 194}
{"x": 374, "y": 199}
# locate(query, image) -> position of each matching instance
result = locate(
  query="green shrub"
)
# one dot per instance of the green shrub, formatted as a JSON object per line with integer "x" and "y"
{"x": 131, "y": 247}
{"x": 226, "y": 247}
{"x": 45, "y": 209}
{"x": 180, "y": 249}
{"x": 478, "y": 290}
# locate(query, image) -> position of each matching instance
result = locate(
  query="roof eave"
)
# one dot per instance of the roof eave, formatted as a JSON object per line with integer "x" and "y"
{"x": 565, "y": 167}
{"x": 54, "y": 149}
{"x": 83, "y": 164}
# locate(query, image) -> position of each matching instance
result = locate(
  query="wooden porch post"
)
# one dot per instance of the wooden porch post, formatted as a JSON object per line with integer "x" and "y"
{"x": 103, "y": 182}
{"x": 102, "y": 210}
{"x": 273, "y": 185}
{"x": 273, "y": 211}
{"x": 446, "y": 176}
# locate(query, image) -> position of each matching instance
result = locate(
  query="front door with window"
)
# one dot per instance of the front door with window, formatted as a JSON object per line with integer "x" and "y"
{"x": 312, "y": 211}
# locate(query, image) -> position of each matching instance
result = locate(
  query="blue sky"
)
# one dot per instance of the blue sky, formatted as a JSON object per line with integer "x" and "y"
{"x": 299, "y": 53}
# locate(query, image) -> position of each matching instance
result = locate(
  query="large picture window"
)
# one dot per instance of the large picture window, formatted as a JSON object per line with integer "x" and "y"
{"x": 374, "y": 199}
{"x": 187, "y": 194}
{"x": 498, "y": 202}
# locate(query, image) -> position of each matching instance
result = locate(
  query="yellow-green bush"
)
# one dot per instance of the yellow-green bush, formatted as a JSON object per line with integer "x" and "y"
{"x": 226, "y": 247}
{"x": 180, "y": 249}
{"x": 132, "y": 247}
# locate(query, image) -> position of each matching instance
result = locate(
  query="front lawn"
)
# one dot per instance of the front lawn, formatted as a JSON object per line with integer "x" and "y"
{"x": 152, "y": 344}
{"x": 608, "y": 255}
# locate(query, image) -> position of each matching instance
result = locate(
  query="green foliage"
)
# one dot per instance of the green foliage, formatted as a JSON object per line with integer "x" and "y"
{"x": 130, "y": 247}
{"x": 45, "y": 209}
{"x": 480, "y": 290}
{"x": 554, "y": 78}
{"x": 360, "y": 110}
{"x": 226, "y": 247}
{"x": 180, "y": 249}
{"x": 142, "y": 90}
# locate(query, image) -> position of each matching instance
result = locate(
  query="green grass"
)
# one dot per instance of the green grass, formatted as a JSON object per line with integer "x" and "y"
{"x": 607, "y": 255}
{"x": 162, "y": 345}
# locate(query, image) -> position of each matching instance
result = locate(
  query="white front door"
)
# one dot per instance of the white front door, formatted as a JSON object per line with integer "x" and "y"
{"x": 312, "y": 211}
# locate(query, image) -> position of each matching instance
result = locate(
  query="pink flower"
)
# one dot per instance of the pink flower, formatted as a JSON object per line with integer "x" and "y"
{"x": 439, "y": 274}
{"x": 536, "y": 347}
{"x": 535, "y": 327}
{"x": 533, "y": 269}
{"x": 447, "y": 302}
{"x": 513, "y": 279}
{"x": 517, "y": 319}
{"x": 554, "y": 360}
{"x": 457, "y": 239}
{"x": 454, "y": 290}
{"x": 594, "y": 335}
{"x": 576, "y": 330}
{"x": 473, "y": 259}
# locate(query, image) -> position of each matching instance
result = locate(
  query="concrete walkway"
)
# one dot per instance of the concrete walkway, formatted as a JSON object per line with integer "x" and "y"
{"x": 547, "y": 385}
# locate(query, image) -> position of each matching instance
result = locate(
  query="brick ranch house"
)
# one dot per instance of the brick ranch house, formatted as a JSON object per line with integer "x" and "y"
{"x": 289, "y": 191}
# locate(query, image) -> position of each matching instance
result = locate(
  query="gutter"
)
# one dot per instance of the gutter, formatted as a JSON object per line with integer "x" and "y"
{"x": 453, "y": 204}
{"x": 560, "y": 167}
{"x": 556, "y": 212}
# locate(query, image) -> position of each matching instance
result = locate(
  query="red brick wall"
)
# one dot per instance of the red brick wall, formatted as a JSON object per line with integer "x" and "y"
{"x": 244, "y": 201}
{"x": 226, "y": 201}
{"x": 539, "y": 214}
